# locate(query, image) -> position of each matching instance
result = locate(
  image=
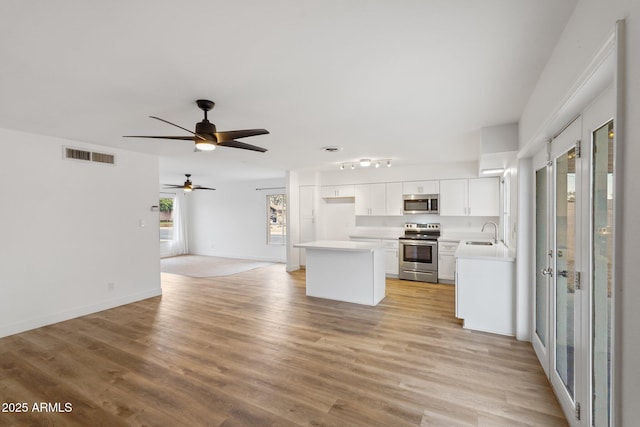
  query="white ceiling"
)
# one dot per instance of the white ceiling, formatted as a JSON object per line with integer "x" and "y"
{"x": 410, "y": 80}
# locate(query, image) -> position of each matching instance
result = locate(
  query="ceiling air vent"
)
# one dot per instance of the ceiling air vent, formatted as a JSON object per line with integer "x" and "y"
{"x": 89, "y": 156}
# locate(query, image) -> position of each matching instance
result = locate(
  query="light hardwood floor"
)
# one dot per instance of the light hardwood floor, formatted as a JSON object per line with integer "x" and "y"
{"x": 253, "y": 350}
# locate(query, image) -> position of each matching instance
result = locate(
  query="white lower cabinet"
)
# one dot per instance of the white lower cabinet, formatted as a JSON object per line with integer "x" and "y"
{"x": 485, "y": 295}
{"x": 391, "y": 267}
{"x": 447, "y": 261}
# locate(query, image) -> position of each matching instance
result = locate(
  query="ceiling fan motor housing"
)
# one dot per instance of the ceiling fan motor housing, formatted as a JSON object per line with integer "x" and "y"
{"x": 206, "y": 128}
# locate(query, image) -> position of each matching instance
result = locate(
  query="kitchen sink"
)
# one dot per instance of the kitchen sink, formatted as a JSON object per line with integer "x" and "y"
{"x": 480, "y": 243}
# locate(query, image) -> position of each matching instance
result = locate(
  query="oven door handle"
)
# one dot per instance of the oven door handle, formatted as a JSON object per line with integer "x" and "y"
{"x": 418, "y": 243}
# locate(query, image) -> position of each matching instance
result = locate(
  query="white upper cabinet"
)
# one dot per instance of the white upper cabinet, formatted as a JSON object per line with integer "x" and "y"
{"x": 484, "y": 197}
{"x": 394, "y": 206}
{"x": 454, "y": 197}
{"x": 421, "y": 187}
{"x": 370, "y": 199}
{"x": 335, "y": 191}
{"x": 469, "y": 197}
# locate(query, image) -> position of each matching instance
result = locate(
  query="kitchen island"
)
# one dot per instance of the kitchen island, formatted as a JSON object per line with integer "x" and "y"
{"x": 485, "y": 286}
{"x": 345, "y": 271}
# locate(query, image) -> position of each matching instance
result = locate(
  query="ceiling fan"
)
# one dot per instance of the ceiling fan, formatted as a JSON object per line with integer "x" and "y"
{"x": 188, "y": 185}
{"x": 207, "y": 137}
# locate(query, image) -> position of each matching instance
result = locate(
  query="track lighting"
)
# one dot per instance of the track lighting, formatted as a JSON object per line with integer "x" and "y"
{"x": 365, "y": 163}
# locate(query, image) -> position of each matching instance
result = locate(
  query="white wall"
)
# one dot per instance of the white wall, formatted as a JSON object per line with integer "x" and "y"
{"x": 585, "y": 33}
{"x": 232, "y": 221}
{"x": 70, "y": 228}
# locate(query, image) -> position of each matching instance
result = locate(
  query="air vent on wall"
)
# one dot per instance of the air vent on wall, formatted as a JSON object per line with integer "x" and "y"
{"x": 88, "y": 156}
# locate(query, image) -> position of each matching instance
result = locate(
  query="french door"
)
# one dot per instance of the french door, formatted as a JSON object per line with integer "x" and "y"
{"x": 573, "y": 284}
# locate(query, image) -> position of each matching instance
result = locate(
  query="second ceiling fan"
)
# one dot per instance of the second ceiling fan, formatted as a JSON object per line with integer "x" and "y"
{"x": 188, "y": 185}
{"x": 206, "y": 135}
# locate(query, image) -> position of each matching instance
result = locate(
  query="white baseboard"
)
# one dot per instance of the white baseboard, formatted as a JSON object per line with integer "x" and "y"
{"x": 49, "y": 319}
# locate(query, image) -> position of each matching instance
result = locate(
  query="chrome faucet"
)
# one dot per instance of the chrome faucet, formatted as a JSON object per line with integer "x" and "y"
{"x": 495, "y": 230}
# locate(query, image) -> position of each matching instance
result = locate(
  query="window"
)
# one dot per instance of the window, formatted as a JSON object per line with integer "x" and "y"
{"x": 166, "y": 219}
{"x": 276, "y": 219}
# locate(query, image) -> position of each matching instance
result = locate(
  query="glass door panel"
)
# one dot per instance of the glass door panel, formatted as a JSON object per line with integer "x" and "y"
{"x": 564, "y": 269}
{"x": 542, "y": 257}
{"x": 602, "y": 274}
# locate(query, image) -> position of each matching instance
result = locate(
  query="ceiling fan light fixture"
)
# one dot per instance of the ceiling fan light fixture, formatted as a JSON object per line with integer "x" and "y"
{"x": 388, "y": 163}
{"x": 365, "y": 163}
{"x": 205, "y": 145}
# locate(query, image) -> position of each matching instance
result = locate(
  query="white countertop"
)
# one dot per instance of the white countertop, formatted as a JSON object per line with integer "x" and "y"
{"x": 339, "y": 245}
{"x": 494, "y": 252}
{"x": 456, "y": 236}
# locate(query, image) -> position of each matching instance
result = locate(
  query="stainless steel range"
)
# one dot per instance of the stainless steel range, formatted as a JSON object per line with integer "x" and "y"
{"x": 419, "y": 252}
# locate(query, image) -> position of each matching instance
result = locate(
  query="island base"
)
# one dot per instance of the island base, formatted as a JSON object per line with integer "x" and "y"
{"x": 350, "y": 276}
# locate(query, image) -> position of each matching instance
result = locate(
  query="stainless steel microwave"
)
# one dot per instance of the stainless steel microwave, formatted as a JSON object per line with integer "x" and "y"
{"x": 421, "y": 204}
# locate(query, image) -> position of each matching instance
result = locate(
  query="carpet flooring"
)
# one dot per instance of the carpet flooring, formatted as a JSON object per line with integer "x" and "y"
{"x": 207, "y": 266}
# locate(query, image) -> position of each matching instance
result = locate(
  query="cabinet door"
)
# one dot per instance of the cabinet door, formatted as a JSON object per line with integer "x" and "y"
{"x": 420, "y": 187}
{"x": 484, "y": 197}
{"x": 391, "y": 264}
{"x": 394, "y": 199}
{"x": 446, "y": 266}
{"x": 453, "y": 197}
{"x": 345, "y": 191}
{"x": 362, "y": 192}
{"x": 307, "y": 201}
{"x": 334, "y": 191}
{"x": 370, "y": 199}
{"x": 328, "y": 191}
{"x": 377, "y": 199}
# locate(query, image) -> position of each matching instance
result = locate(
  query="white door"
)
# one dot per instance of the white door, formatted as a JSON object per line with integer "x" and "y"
{"x": 574, "y": 258}
{"x": 543, "y": 258}
{"x": 566, "y": 326}
{"x": 599, "y": 282}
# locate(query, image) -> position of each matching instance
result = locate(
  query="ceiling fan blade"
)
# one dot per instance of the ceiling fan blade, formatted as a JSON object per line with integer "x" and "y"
{"x": 173, "y": 186}
{"x": 243, "y": 145}
{"x": 234, "y": 134}
{"x": 197, "y": 187}
{"x": 183, "y": 138}
{"x": 180, "y": 127}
